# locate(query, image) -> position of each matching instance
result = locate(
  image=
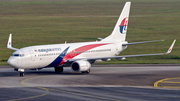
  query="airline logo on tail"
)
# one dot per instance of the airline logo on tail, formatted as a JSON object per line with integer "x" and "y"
{"x": 123, "y": 25}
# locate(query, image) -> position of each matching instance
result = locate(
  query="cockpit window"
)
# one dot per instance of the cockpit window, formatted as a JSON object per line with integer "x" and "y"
{"x": 21, "y": 55}
{"x": 18, "y": 55}
{"x": 15, "y": 55}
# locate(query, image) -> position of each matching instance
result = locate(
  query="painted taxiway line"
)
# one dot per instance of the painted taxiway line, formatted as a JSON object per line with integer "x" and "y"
{"x": 22, "y": 82}
{"x": 86, "y": 95}
{"x": 70, "y": 92}
{"x": 165, "y": 81}
{"x": 64, "y": 91}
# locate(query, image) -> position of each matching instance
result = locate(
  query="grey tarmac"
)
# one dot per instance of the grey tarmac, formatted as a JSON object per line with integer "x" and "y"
{"x": 105, "y": 82}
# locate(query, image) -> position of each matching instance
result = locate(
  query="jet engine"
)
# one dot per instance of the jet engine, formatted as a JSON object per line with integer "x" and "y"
{"x": 80, "y": 65}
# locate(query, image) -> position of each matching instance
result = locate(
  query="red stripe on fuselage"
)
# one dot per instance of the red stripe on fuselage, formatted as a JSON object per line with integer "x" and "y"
{"x": 80, "y": 50}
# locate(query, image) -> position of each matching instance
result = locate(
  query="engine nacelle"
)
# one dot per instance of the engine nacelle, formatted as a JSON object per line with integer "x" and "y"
{"x": 80, "y": 65}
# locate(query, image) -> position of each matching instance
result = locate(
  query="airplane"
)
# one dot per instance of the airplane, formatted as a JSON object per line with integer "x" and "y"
{"x": 78, "y": 56}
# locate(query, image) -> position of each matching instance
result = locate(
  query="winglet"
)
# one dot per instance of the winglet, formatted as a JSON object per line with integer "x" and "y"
{"x": 9, "y": 44}
{"x": 9, "y": 41}
{"x": 171, "y": 47}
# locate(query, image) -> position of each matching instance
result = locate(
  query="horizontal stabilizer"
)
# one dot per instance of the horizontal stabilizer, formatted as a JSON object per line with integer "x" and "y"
{"x": 140, "y": 42}
{"x": 100, "y": 38}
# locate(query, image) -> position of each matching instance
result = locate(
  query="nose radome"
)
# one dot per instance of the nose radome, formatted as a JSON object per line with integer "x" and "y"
{"x": 9, "y": 61}
{"x": 13, "y": 62}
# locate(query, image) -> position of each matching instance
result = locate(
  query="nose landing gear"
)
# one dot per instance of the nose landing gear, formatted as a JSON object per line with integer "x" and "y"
{"x": 21, "y": 74}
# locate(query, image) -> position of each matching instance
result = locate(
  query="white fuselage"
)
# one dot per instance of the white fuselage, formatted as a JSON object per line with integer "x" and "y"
{"x": 41, "y": 56}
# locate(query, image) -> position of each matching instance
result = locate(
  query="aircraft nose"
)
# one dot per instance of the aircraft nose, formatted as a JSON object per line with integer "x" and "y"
{"x": 13, "y": 62}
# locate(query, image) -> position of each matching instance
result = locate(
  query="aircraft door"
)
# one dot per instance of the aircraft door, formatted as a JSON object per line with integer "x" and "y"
{"x": 34, "y": 61}
{"x": 32, "y": 55}
{"x": 25, "y": 59}
{"x": 116, "y": 49}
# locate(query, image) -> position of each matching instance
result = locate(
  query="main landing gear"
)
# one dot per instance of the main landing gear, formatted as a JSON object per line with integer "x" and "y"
{"x": 86, "y": 72}
{"x": 59, "y": 69}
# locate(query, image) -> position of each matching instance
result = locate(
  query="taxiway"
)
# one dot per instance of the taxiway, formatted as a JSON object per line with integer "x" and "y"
{"x": 123, "y": 83}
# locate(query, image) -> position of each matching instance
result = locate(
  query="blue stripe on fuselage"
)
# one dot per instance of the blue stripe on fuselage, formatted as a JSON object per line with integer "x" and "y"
{"x": 58, "y": 59}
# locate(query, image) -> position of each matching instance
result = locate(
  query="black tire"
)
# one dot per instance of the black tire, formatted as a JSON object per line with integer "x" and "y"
{"x": 21, "y": 74}
{"x": 88, "y": 71}
{"x": 59, "y": 69}
{"x": 56, "y": 70}
{"x": 83, "y": 72}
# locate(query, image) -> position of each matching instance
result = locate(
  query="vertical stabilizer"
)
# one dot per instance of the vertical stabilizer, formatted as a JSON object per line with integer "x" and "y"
{"x": 120, "y": 29}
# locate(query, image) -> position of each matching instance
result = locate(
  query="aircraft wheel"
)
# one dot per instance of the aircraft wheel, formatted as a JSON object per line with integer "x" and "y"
{"x": 83, "y": 72}
{"x": 21, "y": 74}
{"x": 56, "y": 70}
{"x": 59, "y": 69}
{"x": 88, "y": 71}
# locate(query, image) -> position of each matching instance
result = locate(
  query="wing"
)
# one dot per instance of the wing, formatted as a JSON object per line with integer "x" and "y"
{"x": 121, "y": 57}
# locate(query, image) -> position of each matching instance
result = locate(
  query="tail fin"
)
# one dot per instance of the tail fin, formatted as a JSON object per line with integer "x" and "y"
{"x": 120, "y": 29}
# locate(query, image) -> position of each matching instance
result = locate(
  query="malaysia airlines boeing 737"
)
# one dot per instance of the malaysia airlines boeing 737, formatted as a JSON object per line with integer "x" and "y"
{"x": 79, "y": 56}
